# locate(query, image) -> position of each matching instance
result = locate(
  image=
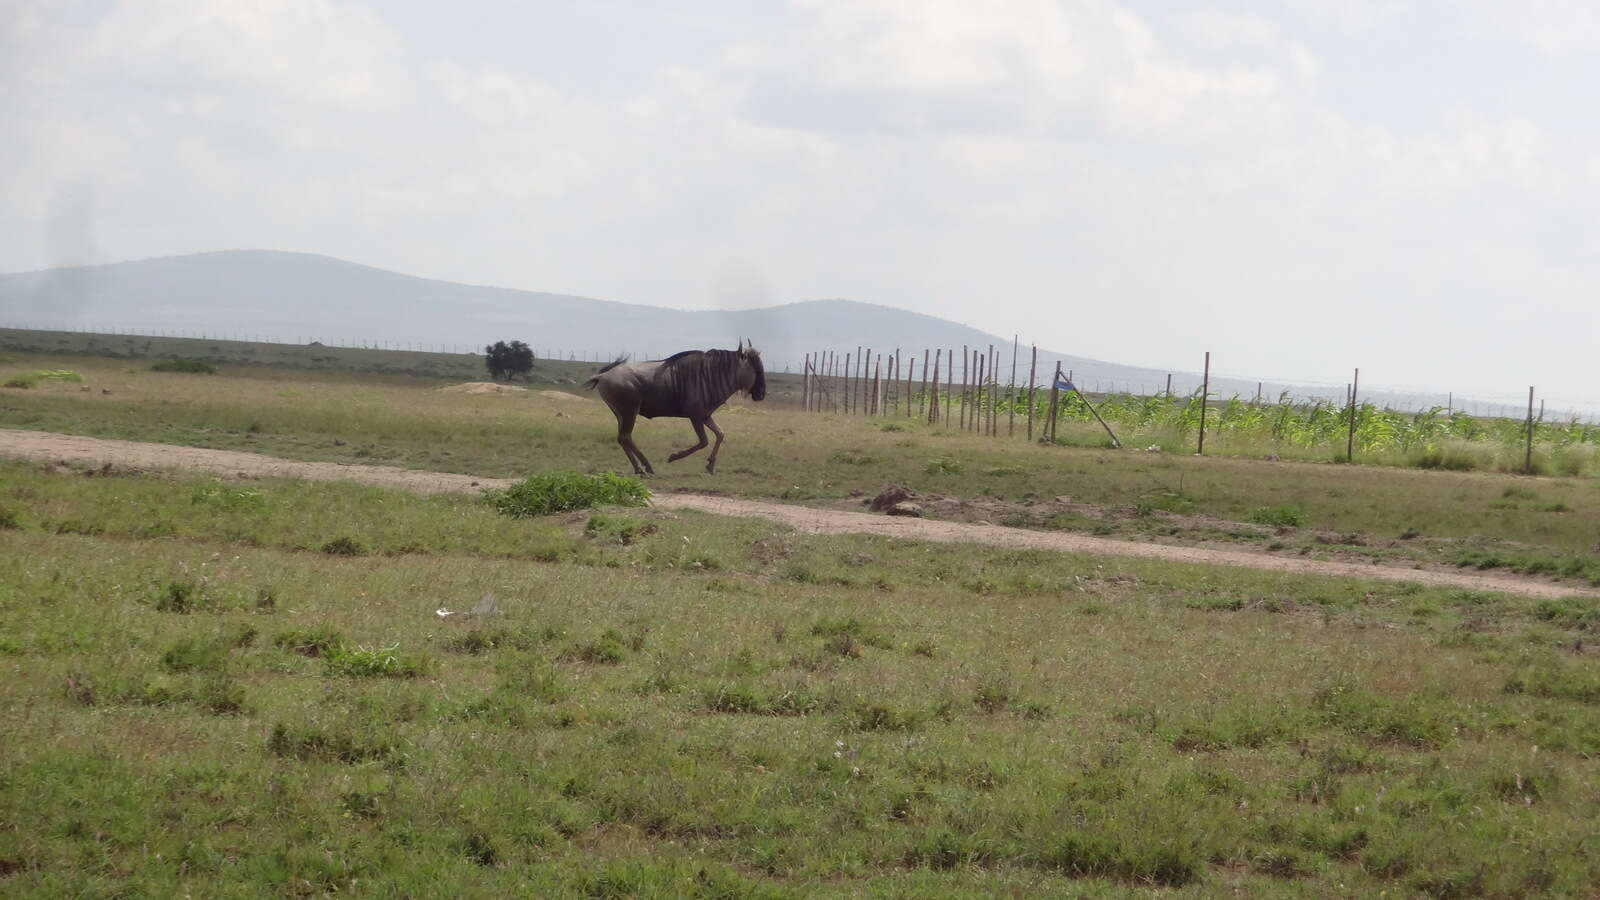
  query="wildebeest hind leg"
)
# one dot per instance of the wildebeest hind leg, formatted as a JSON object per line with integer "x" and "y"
{"x": 700, "y": 432}
{"x": 711, "y": 464}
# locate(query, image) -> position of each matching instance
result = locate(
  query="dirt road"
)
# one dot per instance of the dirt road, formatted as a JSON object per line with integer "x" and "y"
{"x": 48, "y": 447}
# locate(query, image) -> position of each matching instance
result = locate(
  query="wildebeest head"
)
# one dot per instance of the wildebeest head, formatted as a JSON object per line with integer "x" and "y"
{"x": 752, "y": 377}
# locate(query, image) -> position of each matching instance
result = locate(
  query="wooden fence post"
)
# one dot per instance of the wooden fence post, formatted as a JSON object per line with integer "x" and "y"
{"x": 911, "y": 374}
{"x": 877, "y": 386}
{"x": 949, "y": 383}
{"x": 895, "y": 378}
{"x": 1527, "y": 464}
{"x": 1033, "y": 373}
{"x": 1350, "y": 444}
{"x": 987, "y": 400}
{"x": 924, "y": 392}
{"x": 974, "y": 374}
{"x": 933, "y": 406}
{"x": 1055, "y": 391}
{"x": 1205, "y": 391}
{"x": 1011, "y": 387}
{"x": 866, "y": 387}
{"x": 961, "y": 418}
{"x": 849, "y": 380}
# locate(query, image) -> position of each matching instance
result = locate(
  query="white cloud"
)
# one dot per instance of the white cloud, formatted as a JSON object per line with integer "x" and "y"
{"x": 977, "y": 160}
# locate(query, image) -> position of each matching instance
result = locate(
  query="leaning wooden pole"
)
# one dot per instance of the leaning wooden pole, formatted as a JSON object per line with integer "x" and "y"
{"x": 1205, "y": 391}
{"x": 1096, "y": 413}
{"x": 805, "y": 382}
{"x": 932, "y": 398}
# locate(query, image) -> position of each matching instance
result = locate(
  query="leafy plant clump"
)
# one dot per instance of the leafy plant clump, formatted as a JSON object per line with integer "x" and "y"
{"x": 1292, "y": 516}
{"x": 344, "y": 659}
{"x": 553, "y": 492}
{"x": 30, "y": 379}
{"x": 184, "y": 364}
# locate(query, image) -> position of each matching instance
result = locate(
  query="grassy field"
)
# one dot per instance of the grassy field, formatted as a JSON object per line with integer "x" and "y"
{"x": 1545, "y": 525}
{"x": 226, "y": 689}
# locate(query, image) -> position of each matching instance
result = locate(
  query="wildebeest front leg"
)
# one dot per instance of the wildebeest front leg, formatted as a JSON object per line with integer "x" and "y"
{"x": 641, "y": 466}
{"x": 700, "y": 432}
{"x": 711, "y": 464}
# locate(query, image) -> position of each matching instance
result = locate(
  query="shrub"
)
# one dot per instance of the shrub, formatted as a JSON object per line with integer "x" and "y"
{"x": 344, "y": 546}
{"x": 944, "y": 465}
{"x": 342, "y": 744}
{"x": 553, "y": 492}
{"x": 179, "y": 597}
{"x": 30, "y": 379}
{"x": 309, "y": 642}
{"x": 182, "y": 364}
{"x": 1283, "y": 514}
{"x": 215, "y": 493}
{"x": 190, "y": 654}
{"x": 344, "y": 659}
{"x": 617, "y": 529}
{"x": 607, "y": 650}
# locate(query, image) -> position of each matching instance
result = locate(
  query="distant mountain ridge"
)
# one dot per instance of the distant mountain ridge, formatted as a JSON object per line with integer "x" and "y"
{"x": 305, "y": 297}
{"x": 311, "y": 297}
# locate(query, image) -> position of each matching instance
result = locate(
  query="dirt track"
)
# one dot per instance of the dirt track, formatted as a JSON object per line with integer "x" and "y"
{"x": 48, "y": 447}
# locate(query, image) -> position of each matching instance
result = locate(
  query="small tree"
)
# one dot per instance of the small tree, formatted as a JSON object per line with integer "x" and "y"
{"x": 508, "y": 360}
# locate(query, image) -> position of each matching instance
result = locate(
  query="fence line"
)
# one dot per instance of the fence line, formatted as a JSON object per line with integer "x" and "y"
{"x": 831, "y": 383}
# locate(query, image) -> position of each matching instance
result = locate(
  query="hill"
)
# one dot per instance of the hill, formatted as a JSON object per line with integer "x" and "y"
{"x": 302, "y": 297}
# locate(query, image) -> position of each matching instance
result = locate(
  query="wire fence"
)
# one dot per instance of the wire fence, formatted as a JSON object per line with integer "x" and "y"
{"x": 824, "y": 369}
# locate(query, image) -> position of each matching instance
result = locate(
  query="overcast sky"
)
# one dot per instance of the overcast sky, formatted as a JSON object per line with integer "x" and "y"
{"x": 1300, "y": 187}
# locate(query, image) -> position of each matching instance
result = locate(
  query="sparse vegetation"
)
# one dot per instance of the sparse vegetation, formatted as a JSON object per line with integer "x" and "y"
{"x": 183, "y": 364}
{"x": 29, "y": 379}
{"x": 674, "y": 704}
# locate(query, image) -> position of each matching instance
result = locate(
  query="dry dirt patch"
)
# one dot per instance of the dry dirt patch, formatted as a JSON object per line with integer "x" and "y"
{"x": 484, "y": 387}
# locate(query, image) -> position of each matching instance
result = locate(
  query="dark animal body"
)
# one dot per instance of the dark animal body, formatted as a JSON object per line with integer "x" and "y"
{"x": 689, "y": 385}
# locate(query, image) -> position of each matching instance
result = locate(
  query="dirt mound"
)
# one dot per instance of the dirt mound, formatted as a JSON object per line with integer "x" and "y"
{"x": 482, "y": 387}
{"x": 563, "y": 395}
{"x": 890, "y": 497}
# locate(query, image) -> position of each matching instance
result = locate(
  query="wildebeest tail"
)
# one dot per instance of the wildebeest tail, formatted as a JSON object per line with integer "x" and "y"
{"x": 604, "y": 369}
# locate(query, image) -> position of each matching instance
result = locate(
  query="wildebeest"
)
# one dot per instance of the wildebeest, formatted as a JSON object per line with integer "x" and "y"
{"x": 689, "y": 385}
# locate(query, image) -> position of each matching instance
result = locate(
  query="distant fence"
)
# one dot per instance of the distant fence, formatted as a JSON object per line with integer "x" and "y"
{"x": 346, "y": 343}
{"x": 861, "y": 381}
{"x": 981, "y": 392}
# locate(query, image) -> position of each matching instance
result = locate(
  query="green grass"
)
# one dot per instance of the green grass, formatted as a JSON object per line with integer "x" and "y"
{"x": 27, "y": 380}
{"x": 774, "y": 451}
{"x": 215, "y": 707}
